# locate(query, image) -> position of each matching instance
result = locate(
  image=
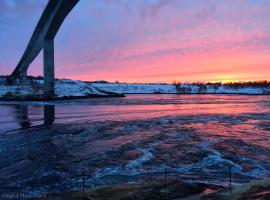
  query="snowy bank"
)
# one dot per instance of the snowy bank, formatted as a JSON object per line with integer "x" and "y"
{"x": 67, "y": 89}
{"x": 64, "y": 89}
{"x": 125, "y": 88}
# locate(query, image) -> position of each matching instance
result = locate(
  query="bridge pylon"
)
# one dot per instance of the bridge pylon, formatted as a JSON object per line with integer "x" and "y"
{"x": 48, "y": 67}
{"x": 23, "y": 78}
{"x": 43, "y": 38}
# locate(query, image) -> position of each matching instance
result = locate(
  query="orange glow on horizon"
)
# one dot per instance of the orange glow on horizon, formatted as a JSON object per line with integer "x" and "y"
{"x": 165, "y": 46}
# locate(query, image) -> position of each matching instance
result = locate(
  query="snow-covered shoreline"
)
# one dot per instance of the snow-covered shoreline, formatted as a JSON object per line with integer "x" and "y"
{"x": 66, "y": 89}
{"x": 125, "y": 88}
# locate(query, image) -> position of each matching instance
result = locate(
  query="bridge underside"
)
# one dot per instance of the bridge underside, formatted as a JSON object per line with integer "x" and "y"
{"x": 43, "y": 38}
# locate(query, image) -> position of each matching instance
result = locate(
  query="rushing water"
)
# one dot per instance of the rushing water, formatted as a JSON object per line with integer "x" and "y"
{"x": 46, "y": 146}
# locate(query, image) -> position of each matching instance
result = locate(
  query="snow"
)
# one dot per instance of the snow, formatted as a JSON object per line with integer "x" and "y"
{"x": 171, "y": 89}
{"x": 75, "y": 88}
{"x": 71, "y": 88}
{"x": 136, "y": 88}
{"x": 63, "y": 88}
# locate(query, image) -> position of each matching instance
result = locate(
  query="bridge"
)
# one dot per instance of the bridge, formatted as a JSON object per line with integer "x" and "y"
{"x": 43, "y": 38}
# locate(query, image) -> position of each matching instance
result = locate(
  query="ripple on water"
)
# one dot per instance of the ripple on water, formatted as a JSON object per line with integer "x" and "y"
{"x": 195, "y": 137}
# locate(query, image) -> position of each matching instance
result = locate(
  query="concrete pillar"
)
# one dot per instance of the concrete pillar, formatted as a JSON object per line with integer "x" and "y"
{"x": 48, "y": 68}
{"x": 49, "y": 114}
{"x": 22, "y": 116}
{"x": 23, "y": 78}
{"x": 14, "y": 81}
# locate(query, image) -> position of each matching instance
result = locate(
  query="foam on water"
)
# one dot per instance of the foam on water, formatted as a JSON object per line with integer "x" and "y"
{"x": 133, "y": 167}
{"x": 215, "y": 158}
{"x": 147, "y": 155}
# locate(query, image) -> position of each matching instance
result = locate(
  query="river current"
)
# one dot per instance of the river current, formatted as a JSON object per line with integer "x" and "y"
{"x": 48, "y": 146}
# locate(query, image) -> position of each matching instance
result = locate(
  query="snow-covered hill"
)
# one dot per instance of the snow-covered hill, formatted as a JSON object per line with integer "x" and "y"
{"x": 63, "y": 89}
{"x": 70, "y": 88}
{"x": 126, "y": 88}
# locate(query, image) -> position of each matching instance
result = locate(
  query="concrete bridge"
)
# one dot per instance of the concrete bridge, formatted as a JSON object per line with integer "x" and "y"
{"x": 43, "y": 38}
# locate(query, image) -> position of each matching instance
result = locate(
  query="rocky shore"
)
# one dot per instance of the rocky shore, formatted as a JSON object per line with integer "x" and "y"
{"x": 259, "y": 190}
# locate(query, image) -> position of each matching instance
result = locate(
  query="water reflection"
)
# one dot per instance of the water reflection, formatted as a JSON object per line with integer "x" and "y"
{"x": 49, "y": 114}
{"x": 21, "y": 115}
{"x": 26, "y": 116}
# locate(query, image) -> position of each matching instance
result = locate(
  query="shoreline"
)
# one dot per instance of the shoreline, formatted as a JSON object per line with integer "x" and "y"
{"x": 61, "y": 98}
{"x": 117, "y": 96}
{"x": 127, "y": 191}
{"x": 69, "y": 89}
{"x": 172, "y": 190}
{"x": 231, "y": 94}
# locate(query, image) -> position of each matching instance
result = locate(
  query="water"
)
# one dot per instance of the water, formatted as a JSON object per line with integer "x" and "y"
{"x": 46, "y": 146}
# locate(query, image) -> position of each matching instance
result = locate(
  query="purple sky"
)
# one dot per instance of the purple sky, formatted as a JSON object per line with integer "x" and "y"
{"x": 147, "y": 40}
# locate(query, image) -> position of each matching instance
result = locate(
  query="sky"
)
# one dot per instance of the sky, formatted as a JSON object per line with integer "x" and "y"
{"x": 146, "y": 40}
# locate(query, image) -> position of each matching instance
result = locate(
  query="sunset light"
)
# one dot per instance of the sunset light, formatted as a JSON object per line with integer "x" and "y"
{"x": 149, "y": 41}
{"x": 135, "y": 99}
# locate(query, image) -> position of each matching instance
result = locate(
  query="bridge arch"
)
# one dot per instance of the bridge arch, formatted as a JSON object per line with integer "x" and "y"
{"x": 43, "y": 38}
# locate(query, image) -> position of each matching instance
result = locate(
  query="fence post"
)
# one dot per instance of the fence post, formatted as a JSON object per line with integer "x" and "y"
{"x": 165, "y": 182}
{"x": 83, "y": 184}
{"x": 230, "y": 184}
